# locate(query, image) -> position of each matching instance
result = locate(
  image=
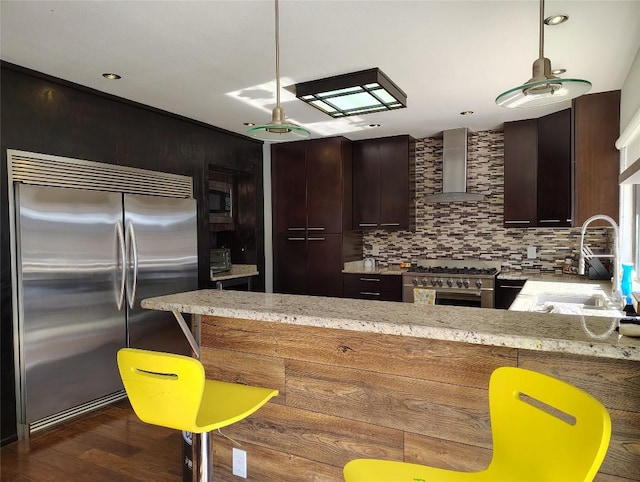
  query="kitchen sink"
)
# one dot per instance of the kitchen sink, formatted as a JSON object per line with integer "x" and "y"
{"x": 591, "y": 302}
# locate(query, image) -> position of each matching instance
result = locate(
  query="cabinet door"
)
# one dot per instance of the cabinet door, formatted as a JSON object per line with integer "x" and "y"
{"x": 554, "y": 169}
{"x": 290, "y": 264}
{"x": 288, "y": 173}
{"x": 324, "y": 264}
{"x": 324, "y": 185}
{"x": 366, "y": 184}
{"x": 520, "y": 173}
{"x": 394, "y": 182}
{"x": 597, "y": 165}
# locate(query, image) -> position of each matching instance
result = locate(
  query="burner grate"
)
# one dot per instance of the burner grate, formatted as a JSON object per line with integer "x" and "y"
{"x": 446, "y": 270}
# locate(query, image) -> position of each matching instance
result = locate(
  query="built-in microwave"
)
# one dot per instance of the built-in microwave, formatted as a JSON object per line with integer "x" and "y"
{"x": 220, "y": 202}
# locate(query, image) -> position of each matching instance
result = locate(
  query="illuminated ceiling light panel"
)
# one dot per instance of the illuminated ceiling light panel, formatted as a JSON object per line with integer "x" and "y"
{"x": 356, "y": 93}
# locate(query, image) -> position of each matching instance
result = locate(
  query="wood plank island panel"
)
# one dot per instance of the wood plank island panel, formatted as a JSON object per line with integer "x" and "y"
{"x": 347, "y": 394}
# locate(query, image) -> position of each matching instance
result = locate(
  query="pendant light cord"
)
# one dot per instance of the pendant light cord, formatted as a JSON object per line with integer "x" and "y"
{"x": 277, "y": 55}
{"x": 541, "y": 49}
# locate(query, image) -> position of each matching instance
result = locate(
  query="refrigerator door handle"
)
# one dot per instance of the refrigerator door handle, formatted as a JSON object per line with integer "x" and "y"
{"x": 120, "y": 254}
{"x": 132, "y": 252}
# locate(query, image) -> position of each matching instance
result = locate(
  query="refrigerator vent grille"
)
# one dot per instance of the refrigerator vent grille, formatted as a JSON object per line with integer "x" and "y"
{"x": 46, "y": 170}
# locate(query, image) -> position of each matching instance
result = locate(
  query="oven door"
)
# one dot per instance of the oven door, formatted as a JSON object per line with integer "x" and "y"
{"x": 482, "y": 299}
{"x": 450, "y": 298}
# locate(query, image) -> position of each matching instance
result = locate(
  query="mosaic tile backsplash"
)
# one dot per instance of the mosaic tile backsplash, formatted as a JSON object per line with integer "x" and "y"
{"x": 461, "y": 230}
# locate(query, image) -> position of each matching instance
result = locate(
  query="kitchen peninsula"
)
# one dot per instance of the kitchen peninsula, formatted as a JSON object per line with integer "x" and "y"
{"x": 395, "y": 380}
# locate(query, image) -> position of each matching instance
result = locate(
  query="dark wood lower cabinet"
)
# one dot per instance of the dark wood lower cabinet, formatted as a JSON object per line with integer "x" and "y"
{"x": 373, "y": 286}
{"x": 308, "y": 265}
{"x": 506, "y": 292}
{"x": 324, "y": 262}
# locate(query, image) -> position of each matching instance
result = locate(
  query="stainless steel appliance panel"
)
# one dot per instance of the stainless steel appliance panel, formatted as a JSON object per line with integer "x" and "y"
{"x": 162, "y": 258}
{"x": 69, "y": 287}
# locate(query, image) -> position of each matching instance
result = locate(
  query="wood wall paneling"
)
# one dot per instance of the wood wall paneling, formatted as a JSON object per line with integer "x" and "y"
{"x": 436, "y": 452}
{"x": 455, "y": 363}
{"x": 353, "y": 394}
{"x": 44, "y": 114}
{"x": 616, "y": 383}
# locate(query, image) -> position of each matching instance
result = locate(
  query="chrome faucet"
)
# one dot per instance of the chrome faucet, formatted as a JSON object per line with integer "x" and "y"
{"x": 614, "y": 251}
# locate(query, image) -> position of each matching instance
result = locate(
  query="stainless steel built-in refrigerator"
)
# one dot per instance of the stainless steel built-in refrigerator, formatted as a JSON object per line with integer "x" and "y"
{"x": 85, "y": 256}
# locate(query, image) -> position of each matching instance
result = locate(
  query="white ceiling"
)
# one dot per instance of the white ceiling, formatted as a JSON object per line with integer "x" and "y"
{"x": 213, "y": 61}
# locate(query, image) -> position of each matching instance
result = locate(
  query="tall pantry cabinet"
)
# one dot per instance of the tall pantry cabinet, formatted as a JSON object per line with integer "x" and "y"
{"x": 311, "y": 199}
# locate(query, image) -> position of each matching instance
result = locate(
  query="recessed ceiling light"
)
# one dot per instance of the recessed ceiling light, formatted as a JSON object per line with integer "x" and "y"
{"x": 249, "y": 124}
{"x": 466, "y": 112}
{"x": 374, "y": 125}
{"x": 111, "y": 76}
{"x": 558, "y": 71}
{"x": 556, "y": 19}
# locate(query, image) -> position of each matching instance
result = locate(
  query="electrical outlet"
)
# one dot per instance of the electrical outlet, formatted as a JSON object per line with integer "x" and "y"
{"x": 239, "y": 462}
{"x": 531, "y": 252}
{"x": 375, "y": 251}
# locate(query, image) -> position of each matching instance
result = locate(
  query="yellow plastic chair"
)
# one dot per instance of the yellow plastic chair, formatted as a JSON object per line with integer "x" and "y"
{"x": 171, "y": 391}
{"x": 544, "y": 430}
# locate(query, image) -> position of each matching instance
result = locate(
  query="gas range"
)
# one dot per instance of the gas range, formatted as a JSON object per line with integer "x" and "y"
{"x": 467, "y": 282}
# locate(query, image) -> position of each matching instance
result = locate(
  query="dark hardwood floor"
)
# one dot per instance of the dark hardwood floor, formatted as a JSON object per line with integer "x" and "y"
{"x": 110, "y": 444}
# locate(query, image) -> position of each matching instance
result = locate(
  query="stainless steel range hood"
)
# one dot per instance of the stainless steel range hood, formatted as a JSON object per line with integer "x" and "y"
{"x": 454, "y": 169}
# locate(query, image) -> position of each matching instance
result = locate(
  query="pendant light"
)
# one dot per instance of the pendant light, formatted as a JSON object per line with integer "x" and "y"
{"x": 543, "y": 88}
{"x": 278, "y": 129}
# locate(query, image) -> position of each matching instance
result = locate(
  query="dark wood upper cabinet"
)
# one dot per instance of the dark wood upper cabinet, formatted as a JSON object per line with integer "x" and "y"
{"x": 325, "y": 184}
{"x": 289, "y": 190}
{"x": 596, "y": 123}
{"x": 537, "y": 171}
{"x": 520, "y": 173}
{"x": 366, "y": 184}
{"x": 383, "y": 171}
{"x": 563, "y": 168}
{"x": 554, "y": 205}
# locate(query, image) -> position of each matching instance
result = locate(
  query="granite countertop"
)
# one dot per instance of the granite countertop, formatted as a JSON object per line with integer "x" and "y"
{"x": 237, "y": 271}
{"x": 526, "y": 330}
{"x": 537, "y": 275}
{"x": 357, "y": 267}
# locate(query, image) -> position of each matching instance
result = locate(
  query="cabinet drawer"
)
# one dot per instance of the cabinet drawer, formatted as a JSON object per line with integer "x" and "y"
{"x": 373, "y": 287}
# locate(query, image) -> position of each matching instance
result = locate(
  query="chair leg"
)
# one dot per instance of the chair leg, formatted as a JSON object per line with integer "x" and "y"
{"x": 202, "y": 457}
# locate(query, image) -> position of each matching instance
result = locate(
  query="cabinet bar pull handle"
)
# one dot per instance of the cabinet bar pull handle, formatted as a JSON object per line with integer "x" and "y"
{"x": 367, "y": 225}
{"x": 316, "y": 229}
{"x": 517, "y": 222}
{"x": 389, "y": 224}
{"x": 370, "y": 279}
{"x": 511, "y": 287}
{"x": 295, "y": 239}
{"x": 369, "y": 293}
{"x": 549, "y": 220}
{"x": 316, "y": 239}
{"x": 295, "y": 229}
